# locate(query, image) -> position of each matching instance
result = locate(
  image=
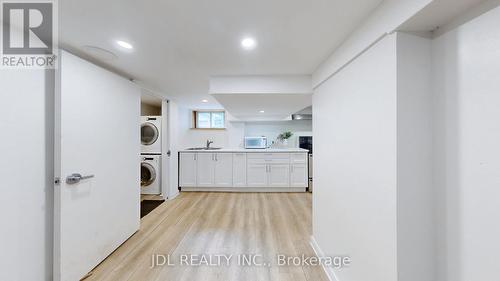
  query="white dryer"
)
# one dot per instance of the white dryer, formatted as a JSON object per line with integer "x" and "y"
{"x": 150, "y": 174}
{"x": 151, "y": 134}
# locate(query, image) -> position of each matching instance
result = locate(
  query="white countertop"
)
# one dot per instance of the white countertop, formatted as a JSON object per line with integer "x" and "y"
{"x": 240, "y": 150}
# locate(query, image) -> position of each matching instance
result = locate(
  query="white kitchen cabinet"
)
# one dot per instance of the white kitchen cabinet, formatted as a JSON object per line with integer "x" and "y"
{"x": 205, "y": 169}
{"x": 223, "y": 172}
{"x": 298, "y": 175}
{"x": 298, "y": 158}
{"x": 257, "y": 174}
{"x": 279, "y": 175}
{"x": 239, "y": 169}
{"x": 187, "y": 173}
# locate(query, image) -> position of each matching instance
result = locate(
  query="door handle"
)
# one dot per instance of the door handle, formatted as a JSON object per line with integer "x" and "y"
{"x": 76, "y": 178}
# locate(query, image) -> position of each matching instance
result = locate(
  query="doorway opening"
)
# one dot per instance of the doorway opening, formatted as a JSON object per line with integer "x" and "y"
{"x": 153, "y": 138}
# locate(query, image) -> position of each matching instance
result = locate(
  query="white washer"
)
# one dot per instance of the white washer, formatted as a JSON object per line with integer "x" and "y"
{"x": 151, "y": 134}
{"x": 150, "y": 174}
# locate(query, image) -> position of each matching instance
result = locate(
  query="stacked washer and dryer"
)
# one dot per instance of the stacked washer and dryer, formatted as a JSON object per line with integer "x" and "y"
{"x": 151, "y": 155}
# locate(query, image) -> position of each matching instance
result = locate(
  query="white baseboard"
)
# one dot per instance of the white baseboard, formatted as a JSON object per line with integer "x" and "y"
{"x": 319, "y": 253}
{"x": 245, "y": 189}
{"x": 173, "y": 196}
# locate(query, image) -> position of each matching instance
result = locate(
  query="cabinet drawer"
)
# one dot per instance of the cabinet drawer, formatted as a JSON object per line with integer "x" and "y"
{"x": 277, "y": 156}
{"x": 298, "y": 158}
{"x": 256, "y": 161}
{"x": 268, "y": 156}
{"x": 256, "y": 155}
{"x": 269, "y": 160}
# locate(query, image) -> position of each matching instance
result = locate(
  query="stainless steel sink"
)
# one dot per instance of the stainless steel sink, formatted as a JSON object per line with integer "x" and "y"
{"x": 204, "y": 148}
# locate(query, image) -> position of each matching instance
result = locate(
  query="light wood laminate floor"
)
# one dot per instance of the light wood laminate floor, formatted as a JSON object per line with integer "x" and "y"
{"x": 206, "y": 223}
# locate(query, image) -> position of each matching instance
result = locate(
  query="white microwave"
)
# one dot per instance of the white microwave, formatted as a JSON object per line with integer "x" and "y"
{"x": 255, "y": 142}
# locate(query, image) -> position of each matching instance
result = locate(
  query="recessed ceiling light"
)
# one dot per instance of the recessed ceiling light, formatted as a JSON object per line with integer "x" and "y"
{"x": 99, "y": 53}
{"x": 124, "y": 44}
{"x": 204, "y": 100}
{"x": 262, "y": 111}
{"x": 248, "y": 43}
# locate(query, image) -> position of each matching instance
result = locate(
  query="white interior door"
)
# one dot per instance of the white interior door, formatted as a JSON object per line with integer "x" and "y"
{"x": 97, "y": 134}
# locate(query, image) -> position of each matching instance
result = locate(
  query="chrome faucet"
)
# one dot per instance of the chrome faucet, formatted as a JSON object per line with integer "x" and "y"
{"x": 209, "y": 142}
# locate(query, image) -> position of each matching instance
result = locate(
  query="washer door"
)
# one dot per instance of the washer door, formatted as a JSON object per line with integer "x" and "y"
{"x": 148, "y": 174}
{"x": 149, "y": 133}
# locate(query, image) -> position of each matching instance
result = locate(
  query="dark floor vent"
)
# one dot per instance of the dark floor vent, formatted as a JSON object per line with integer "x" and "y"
{"x": 147, "y": 206}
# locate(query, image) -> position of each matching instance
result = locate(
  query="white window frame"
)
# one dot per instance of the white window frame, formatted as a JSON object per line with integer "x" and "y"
{"x": 195, "y": 119}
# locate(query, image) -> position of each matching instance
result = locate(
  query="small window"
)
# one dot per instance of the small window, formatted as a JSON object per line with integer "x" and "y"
{"x": 209, "y": 119}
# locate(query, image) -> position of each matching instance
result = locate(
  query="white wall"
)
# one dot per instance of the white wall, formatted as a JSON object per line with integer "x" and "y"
{"x": 456, "y": 222}
{"x": 272, "y": 129}
{"x": 415, "y": 195}
{"x": 234, "y": 133}
{"x": 467, "y": 137}
{"x": 373, "y": 195}
{"x": 354, "y": 199}
{"x": 26, "y": 172}
{"x": 232, "y": 136}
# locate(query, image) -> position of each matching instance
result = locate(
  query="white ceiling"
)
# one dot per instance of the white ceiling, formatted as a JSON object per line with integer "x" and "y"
{"x": 178, "y": 45}
{"x": 439, "y": 13}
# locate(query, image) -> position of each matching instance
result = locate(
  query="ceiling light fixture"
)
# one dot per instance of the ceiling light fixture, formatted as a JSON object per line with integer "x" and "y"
{"x": 262, "y": 111}
{"x": 248, "y": 43}
{"x": 204, "y": 100}
{"x": 125, "y": 45}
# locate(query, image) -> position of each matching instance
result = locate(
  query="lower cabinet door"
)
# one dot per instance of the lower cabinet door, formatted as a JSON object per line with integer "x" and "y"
{"x": 239, "y": 169}
{"x": 187, "y": 168}
{"x": 205, "y": 169}
{"x": 223, "y": 170}
{"x": 256, "y": 175}
{"x": 279, "y": 175}
{"x": 298, "y": 175}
